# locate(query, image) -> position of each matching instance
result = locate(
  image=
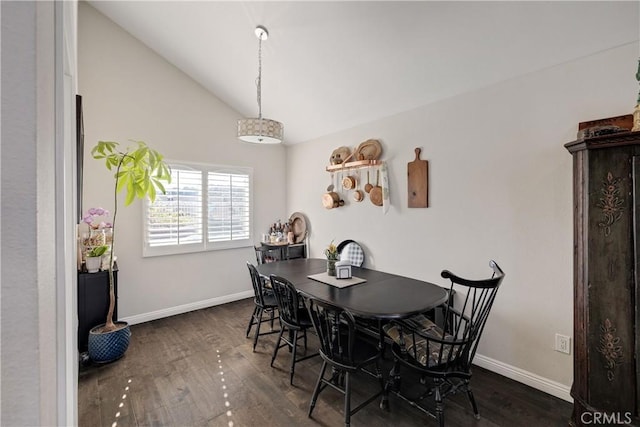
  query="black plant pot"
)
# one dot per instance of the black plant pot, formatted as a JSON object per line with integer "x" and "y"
{"x": 105, "y": 347}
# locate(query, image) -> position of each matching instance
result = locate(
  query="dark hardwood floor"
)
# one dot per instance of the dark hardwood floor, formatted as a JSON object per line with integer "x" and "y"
{"x": 197, "y": 369}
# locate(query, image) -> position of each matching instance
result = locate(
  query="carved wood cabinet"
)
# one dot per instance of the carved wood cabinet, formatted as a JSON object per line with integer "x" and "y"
{"x": 606, "y": 197}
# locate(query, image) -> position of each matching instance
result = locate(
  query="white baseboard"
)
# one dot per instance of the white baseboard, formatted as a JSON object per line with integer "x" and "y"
{"x": 546, "y": 385}
{"x": 185, "y": 308}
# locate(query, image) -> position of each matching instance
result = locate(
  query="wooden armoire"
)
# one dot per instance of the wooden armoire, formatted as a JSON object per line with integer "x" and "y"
{"x": 606, "y": 197}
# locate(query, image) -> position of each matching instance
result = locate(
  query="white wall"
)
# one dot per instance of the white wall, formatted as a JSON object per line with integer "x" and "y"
{"x": 130, "y": 92}
{"x": 499, "y": 188}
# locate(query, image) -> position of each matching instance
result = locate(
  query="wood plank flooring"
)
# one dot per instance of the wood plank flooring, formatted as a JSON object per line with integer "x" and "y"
{"x": 198, "y": 369}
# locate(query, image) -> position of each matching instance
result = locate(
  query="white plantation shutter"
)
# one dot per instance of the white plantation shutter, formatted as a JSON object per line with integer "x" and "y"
{"x": 175, "y": 222}
{"x": 228, "y": 207}
{"x": 175, "y": 218}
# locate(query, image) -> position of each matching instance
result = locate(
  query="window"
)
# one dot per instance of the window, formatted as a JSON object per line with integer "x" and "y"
{"x": 206, "y": 207}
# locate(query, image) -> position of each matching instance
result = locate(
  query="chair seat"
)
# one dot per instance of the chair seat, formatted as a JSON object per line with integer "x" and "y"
{"x": 304, "y": 321}
{"x": 269, "y": 299}
{"x": 423, "y": 349}
{"x": 303, "y": 318}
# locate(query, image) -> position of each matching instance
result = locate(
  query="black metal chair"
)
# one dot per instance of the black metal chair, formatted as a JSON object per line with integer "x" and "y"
{"x": 443, "y": 353}
{"x": 352, "y": 251}
{"x": 265, "y": 302}
{"x": 294, "y": 318}
{"x": 347, "y": 352}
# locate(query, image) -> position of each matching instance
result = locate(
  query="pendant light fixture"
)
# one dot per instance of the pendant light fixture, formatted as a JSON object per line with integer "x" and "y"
{"x": 260, "y": 130}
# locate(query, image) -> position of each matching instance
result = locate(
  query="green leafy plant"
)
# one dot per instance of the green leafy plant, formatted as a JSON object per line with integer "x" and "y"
{"x": 98, "y": 251}
{"x": 140, "y": 171}
{"x": 331, "y": 252}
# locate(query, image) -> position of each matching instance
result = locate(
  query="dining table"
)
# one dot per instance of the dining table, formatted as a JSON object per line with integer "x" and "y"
{"x": 381, "y": 296}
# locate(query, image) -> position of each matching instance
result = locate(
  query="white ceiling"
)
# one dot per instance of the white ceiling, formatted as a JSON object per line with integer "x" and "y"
{"x": 329, "y": 66}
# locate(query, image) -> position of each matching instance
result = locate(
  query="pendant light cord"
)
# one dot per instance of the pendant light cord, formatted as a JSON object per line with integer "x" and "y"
{"x": 259, "y": 81}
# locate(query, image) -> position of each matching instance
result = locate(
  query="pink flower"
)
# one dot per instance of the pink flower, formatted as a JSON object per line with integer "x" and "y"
{"x": 94, "y": 214}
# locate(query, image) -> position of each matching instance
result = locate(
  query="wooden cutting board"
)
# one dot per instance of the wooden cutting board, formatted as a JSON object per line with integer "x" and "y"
{"x": 418, "y": 182}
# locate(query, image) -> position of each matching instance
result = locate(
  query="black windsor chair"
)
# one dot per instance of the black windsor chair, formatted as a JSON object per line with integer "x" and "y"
{"x": 346, "y": 350}
{"x": 443, "y": 353}
{"x": 265, "y": 303}
{"x": 294, "y": 318}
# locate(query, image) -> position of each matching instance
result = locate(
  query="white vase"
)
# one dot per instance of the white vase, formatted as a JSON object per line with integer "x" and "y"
{"x": 93, "y": 263}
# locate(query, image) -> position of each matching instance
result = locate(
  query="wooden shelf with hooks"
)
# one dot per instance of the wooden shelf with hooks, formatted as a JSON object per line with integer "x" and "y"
{"x": 354, "y": 165}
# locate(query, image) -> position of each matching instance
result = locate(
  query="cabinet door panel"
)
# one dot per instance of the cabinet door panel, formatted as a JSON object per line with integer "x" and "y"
{"x": 611, "y": 299}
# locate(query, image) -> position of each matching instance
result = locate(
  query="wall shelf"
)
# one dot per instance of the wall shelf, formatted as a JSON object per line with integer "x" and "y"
{"x": 354, "y": 165}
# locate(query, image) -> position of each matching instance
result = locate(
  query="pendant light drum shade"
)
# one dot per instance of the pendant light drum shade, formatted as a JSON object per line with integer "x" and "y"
{"x": 260, "y": 131}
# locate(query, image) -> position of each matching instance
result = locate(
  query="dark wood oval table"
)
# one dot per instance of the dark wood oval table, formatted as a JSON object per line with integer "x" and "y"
{"x": 382, "y": 296}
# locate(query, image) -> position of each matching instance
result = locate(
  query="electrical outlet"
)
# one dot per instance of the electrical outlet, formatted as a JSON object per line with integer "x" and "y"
{"x": 563, "y": 344}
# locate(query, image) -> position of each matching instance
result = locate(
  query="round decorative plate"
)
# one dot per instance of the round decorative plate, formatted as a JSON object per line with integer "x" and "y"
{"x": 339, "y": 155}
{"x": 368, "y": 150}
{"x": 298, "y": 226}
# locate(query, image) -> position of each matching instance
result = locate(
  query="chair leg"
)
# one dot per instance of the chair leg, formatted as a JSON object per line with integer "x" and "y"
{"x": 275, "y": 350}
{"x": 253, "y": 316}
{"x": 439, "y": 406}
{"x": 272, "y": 314}
{"x": 347, "y": 400}
{"x": 258, "y": 323}
{"x": 393, "y": 383}
{"x": 316, "y": 391}
{"x": 294, "y": 343}
{"x": 291, "y": 340}
{"x": 379, "y": 376}
{"x": 472, "y": 400}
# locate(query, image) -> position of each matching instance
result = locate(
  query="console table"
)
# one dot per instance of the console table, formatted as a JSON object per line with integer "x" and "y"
{"x": 283, "y": 250}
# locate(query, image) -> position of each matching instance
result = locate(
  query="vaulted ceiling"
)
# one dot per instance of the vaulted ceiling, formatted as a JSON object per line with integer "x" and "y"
{"x": 329, "y": 66}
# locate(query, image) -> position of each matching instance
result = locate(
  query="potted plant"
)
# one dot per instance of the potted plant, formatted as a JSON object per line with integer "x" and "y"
{"x": 98, "y": 234}
{"x": 332, "y": 256}
{"x": 139, "y": 171}
{"x": 94, "y": 258}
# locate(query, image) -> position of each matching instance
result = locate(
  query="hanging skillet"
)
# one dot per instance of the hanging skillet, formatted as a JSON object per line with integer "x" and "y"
{"x": 376, "y": 192}
{"x": 368, "y": 187}
{"x": 358, "y": 195}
